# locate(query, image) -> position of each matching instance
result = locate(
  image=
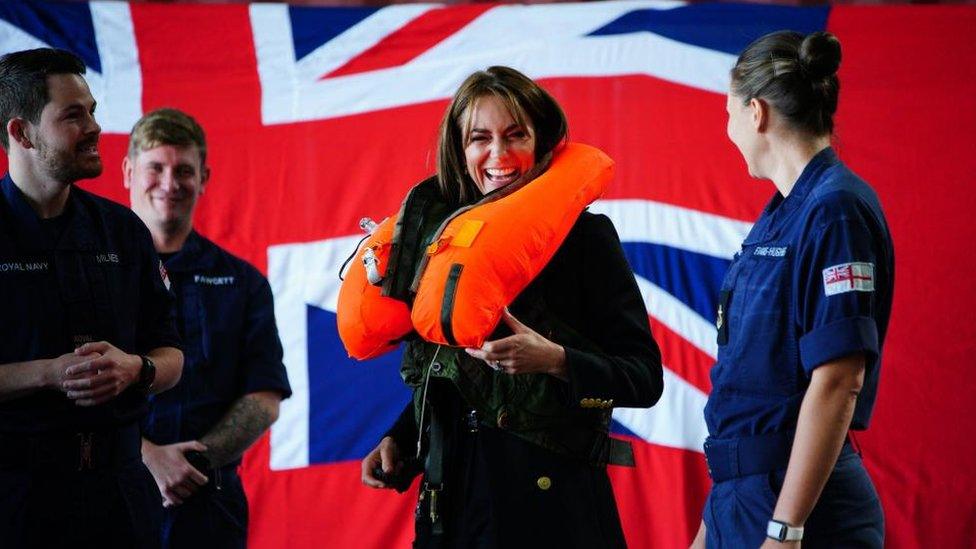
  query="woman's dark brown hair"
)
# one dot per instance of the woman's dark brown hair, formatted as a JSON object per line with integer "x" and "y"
{"x": 529, "y": 105}
{"x": 795, "y": 74}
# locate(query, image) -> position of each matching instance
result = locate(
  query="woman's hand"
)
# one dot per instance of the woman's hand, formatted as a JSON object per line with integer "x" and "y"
{"x": 523, "y": 352}
{"x": 387, "y": 456}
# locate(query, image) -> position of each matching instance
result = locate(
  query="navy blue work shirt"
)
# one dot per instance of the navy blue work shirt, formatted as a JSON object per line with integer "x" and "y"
{"x": 231, "y": 347}
{"x": 812, "y": 283}
{"x": 90, "y": 274}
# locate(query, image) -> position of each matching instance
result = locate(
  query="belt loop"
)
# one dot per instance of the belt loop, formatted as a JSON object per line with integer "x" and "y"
{"x": 734, "y": 459}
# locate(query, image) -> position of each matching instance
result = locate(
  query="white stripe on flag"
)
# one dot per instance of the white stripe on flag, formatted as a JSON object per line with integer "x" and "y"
{"x": 359, "y": 38}
{"x": 677, "y": 420}
{"x": 674, "y": 226}
{"x": 118, "y": 89}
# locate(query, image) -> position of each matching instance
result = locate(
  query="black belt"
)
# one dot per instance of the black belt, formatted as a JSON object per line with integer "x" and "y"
{"x": 740, "y": 457}
{"x": 72, "y": 451}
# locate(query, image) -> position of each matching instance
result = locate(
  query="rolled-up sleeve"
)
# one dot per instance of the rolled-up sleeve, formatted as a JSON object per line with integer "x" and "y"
{"x": 836, "y": 280}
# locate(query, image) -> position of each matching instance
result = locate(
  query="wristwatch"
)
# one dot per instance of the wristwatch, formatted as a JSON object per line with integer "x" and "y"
{"x": 780, "y": 531}
{"x": 147, "y": 375}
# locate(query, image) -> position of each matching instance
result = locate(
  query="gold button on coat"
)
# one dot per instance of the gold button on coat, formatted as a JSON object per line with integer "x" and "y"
{"x": 544, "y": 483}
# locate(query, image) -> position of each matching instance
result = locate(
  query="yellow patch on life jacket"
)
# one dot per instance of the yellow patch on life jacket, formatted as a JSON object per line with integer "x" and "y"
{"x": 467, "y": 233}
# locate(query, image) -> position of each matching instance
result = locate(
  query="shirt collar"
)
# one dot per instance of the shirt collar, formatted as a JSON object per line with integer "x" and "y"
{"x": 778, "y": 209}
{"x": 193, "y": 256}
{"x": 27, "y": 224}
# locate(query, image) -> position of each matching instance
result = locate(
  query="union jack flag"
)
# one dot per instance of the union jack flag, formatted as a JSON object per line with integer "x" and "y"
{"x": 317, "y": 117}
{"x": 849, "y": 277}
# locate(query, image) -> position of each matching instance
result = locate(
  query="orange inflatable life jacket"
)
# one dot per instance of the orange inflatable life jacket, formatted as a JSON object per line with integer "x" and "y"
{"x": 371, "y": 324}
{"x": 479, "y": 260}
{"x": 485, "y": 256}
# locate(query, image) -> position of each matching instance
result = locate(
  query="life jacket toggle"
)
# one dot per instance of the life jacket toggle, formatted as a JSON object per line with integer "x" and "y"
{"x": 372, "y": 265}
{"x": 368, "y": 225}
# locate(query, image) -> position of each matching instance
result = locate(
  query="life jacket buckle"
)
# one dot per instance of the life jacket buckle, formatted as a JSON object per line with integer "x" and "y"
{"x": 434, "y": 247}
{"x": 372, "y": 265}
{"x": 86, "y": 462}
{"x": 433, "y": 490}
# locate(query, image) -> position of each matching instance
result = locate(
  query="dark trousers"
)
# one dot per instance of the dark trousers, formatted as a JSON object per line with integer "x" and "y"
{"x": 111, "y": 508}
{"x": 215, "y": 517}
{"x": 847, "y": 515}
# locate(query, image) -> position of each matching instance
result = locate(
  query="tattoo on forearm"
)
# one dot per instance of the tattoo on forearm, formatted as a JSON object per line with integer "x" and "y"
{"x": 246, "y": 420}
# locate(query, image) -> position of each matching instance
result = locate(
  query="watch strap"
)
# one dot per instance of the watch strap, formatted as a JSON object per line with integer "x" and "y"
{"x": 147, "y": 374}
{"x": 780, "y": 531}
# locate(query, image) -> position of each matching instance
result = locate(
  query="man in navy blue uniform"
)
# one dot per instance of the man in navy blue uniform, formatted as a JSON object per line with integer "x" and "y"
{"x": 234, "y": 378}
{"x": 88, "y": 326}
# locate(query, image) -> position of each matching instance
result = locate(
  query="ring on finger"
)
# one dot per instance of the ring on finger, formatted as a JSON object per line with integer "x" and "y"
{"x": 495, "y": 364}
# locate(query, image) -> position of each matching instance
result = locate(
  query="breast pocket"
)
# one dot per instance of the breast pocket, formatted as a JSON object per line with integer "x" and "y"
{"x": 763, "y": 345}
{"x": 118, "y": 303}
{"x": 28, "y": 297}
{"x": 221, "y": 319}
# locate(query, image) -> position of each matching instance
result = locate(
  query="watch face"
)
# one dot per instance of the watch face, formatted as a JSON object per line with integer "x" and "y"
{"x": 780, "y": 531}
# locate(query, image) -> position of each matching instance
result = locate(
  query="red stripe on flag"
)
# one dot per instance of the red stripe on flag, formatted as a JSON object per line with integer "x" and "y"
{"x": 668, "y": 140}
{"x": 683, "y": 358}
{"x": 322, "y": 506}
{"x": 413, "y": 39}
{"x": 661, "y": 499}
{"x": 112, "y": 148}
{"x": 213, "y": 76}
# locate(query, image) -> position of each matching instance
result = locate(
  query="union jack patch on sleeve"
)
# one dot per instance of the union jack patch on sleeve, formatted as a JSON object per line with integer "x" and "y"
{"x": 849, "y": 277}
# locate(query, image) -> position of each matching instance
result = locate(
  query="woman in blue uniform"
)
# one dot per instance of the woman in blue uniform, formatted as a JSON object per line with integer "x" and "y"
{"x": 801, "y": 320}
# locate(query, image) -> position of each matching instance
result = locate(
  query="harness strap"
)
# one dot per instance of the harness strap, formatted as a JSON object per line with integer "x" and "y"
{"x": 435, "y": 470}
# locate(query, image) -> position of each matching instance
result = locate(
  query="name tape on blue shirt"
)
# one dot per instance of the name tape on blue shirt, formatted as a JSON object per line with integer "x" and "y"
{"x": 24, "y": 267}
{"x": 770, "y": 251}
{"x": 107, "y": 258}
{"x": 213, "y": 280}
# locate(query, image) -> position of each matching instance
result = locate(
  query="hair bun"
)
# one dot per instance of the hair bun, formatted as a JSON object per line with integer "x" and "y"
{"x": 820, "y": 55}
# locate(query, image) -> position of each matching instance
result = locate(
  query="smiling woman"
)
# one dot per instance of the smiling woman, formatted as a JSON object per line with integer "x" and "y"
{"x": 499, "y": 120}
{"x": 513, "y": 435}
{"x": 497, "y": 150}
